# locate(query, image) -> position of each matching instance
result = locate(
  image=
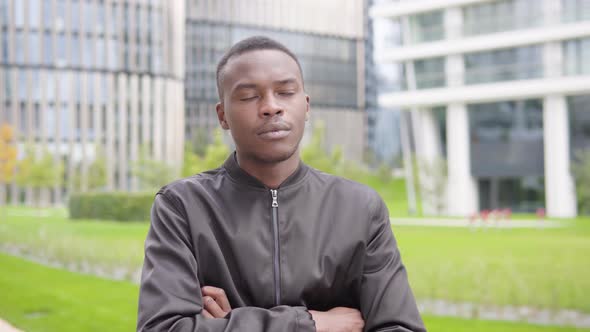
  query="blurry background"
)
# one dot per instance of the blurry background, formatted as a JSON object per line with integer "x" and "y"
{"x": 471, "y": 118}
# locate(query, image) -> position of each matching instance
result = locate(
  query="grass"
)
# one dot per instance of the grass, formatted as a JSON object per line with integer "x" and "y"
{"x": 41, "y": 299}
{"x": 393, "y": 193}
{"x": 545, "y": 268}
{"x": 110, "y": 245}
{"x": 541, "y": 268}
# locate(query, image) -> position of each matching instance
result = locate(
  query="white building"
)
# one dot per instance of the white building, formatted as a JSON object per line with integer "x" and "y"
{"x": 500, "y": 89}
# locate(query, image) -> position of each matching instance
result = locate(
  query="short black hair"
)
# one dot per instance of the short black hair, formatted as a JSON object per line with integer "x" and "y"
{"x": 250, "y": 44}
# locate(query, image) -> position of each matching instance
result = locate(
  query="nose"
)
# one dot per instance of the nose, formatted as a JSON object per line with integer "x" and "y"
{"x": 270, "y": 107}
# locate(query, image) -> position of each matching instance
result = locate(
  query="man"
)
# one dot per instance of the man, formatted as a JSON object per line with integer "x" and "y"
{"x": 265, "y": 243}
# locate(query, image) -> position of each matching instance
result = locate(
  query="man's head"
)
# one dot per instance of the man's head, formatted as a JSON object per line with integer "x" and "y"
{"x": 262, "y": 100}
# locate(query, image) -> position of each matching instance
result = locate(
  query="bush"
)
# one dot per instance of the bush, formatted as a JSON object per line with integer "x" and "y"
{"x": 118, "y": 206}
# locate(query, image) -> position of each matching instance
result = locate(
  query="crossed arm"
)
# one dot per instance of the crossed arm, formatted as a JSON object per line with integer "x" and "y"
{"x": 340, "y": 319}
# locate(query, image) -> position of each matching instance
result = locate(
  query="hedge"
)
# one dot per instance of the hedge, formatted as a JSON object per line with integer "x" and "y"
{"x": 120, "y": 206}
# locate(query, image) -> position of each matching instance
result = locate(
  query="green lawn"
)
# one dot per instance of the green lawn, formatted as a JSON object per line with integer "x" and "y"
{"x": 546, "y": 268}
{"x": 41, "y": 299}
{"x": 37, "y": 298}
{"x": 112, "y": 245}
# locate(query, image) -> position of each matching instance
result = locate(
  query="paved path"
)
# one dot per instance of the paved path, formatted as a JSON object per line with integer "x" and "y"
{"x": 458, "y": 222}
{"x": 5, "y": 327}
{"x": 562, "y": 317}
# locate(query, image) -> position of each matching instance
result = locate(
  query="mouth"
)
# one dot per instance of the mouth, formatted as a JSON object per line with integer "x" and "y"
{"x": 274, "y": 131}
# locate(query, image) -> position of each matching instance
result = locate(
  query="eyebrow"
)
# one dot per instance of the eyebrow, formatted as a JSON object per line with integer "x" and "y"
{"x": 285, "y": 82}
{"x": 245, "y": 86}
{"x": 254, "y": 86}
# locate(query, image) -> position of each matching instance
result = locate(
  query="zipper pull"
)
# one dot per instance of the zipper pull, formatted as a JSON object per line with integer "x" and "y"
{"x": 275, "y": 202}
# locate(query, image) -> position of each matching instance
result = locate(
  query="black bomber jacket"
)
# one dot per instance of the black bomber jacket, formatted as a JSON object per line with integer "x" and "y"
{"x": 315, "y": 243}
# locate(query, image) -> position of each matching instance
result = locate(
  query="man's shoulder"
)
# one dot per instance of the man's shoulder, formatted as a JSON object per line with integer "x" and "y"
{"x": 193, "y": 183}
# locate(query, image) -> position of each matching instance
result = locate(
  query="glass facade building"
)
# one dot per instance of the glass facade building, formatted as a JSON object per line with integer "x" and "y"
{"x": 83, "y": 77}
{"x": 328, "y": 37}
{"x": 513, "y": 80}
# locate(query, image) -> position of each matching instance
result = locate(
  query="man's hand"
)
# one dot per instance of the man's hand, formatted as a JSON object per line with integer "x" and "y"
{"x": 339, "y": 319}
{"x": 215, "y": 302}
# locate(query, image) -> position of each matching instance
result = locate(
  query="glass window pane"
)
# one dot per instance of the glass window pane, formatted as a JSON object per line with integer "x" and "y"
{"x": 88, "y": 15}
{"x": 47, "y": 49}
{"x": 61, "y": 47}
{"x": 34, "y": 13}
{"x": 19, "y": 13}
{"x": 20, "y": 46}
{"x": 3, "y": 13}
{"x": 75, "y": 11}
{"x": 34, "y": 50}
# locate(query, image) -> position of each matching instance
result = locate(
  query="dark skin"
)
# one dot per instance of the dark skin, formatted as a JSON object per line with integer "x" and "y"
{"x": 264, "y": 106}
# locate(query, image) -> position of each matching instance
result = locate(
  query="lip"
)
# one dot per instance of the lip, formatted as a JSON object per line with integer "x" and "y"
{"x": 274, "y": 135}
{"x": 274, "y": 131}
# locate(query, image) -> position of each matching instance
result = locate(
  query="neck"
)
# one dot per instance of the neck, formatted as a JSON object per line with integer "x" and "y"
{"x": 270, "y": 174}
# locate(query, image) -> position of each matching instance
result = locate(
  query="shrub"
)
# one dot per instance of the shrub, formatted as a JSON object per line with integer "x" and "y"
{"x": 118, "y": 206}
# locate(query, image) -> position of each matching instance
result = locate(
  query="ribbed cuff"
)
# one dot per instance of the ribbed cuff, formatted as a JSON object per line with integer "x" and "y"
{"x": 305, "y": 322}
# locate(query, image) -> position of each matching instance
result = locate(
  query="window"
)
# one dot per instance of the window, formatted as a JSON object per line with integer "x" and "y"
{"x": 50, "y": 86}
{"x": 427, "y": 27}
{"x": 88, "y": 11}
{"x": 579, "y": 123}
{"x": 3, "y": 47}
{"x": 504, "y": 65}
{"x": 19, "y": 46}
{"x": 48, "y": 15}
{"x": 504, "y": 15}
{"x": 576, "y": 57}
{"x": 35, "y": 45}
{"x": 430, "y": 73}
{"x": 76, "y": 55}
{"x": 3, "y": 13}
{"x": 575, "y": 10}
{"x": 61, "y": 47}
{"x": 507, "y": 138}
{"x": 47, "y": 49}
{"x": 100, "y": 54}
{"x": 19, "y": 13}
{"x": 87, "y": 51}
{"x": 75, "y": 16}
{"x": 34, "y": 13}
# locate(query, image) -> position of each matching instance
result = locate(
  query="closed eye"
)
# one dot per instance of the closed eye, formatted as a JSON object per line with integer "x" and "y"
{"x": 286, "y": 93}
{"x": 248, "y": 98}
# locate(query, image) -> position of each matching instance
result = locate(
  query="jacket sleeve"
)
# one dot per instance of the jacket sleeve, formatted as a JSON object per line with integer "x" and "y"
{"x": 170, "y": 293}
{"x": 386, "y": 300}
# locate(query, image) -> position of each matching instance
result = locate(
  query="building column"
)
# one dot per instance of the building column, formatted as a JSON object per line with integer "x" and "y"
{"x": 462, "y": 194}
{"x": 429, "y": 152}
{"x": 560, "y": 196}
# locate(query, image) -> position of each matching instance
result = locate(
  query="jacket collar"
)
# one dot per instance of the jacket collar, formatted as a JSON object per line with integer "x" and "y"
{"x": 242, "y": 177}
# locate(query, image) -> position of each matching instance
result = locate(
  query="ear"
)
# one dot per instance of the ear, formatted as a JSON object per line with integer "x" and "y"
{"x": 221, "y": 116}
{"x": 307, "y": 107}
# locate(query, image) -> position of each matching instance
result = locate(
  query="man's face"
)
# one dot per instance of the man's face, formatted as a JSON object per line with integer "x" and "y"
{"x": 263, "y": 105}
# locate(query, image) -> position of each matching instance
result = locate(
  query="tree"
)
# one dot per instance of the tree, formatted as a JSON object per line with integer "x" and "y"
{"x": 96, "y": 178}
{"x": 8, "y": 154}
{"x": 581, "y": 173}
{"x": 214, "y": 156}
{"x": 432, "y": 177}
{"x": 315, "y": 155}
{"x": 39, "y": 170}
{"x": 151, "y": 173}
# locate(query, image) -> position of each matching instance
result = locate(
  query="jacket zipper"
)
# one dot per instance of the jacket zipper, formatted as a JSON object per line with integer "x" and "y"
{"x": 275, "y": 226}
